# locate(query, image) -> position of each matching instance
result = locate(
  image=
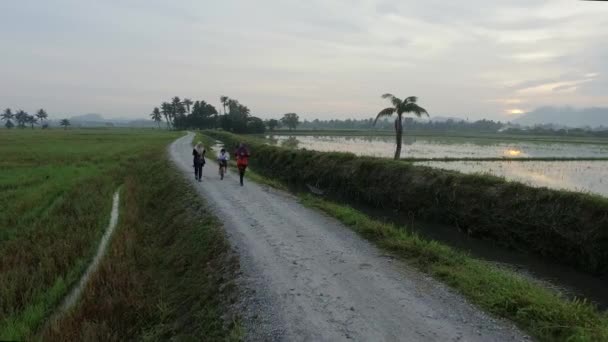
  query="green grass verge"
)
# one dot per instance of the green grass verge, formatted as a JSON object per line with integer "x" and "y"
{"x": 168, "y": 273}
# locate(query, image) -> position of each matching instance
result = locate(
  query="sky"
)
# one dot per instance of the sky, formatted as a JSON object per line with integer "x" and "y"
{"x": 319, "y": 58}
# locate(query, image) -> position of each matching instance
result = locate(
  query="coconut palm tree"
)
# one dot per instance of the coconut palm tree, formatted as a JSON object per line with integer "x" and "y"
{"x": 187, "y": 103}
{"x": 32, "y": 120}
{"x": 224, "y": 100}
{"x": 65, "y": 123}
{"x": 41, "y": 115}
{"x": 7, "y": 116}
{"x": 165, "y": 109}
{"x": 22, "y": 118}
{"x": 156, "y": 116}
{"x": 400, "y": 107}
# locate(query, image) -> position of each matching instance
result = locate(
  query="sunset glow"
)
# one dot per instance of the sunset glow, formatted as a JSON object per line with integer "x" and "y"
{"x": 515, "y": 111}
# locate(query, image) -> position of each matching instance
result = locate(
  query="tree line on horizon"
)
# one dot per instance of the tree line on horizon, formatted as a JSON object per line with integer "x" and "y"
{"x": 23, "y": 118}
{"x": 235, "y": 116}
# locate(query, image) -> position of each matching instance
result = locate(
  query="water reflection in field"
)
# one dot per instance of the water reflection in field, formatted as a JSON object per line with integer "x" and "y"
{"x": 441, "y": 147}
{"x": 584, "y": 176}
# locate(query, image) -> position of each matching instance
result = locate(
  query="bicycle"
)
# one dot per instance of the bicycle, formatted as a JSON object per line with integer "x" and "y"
{"x": 223, "y": 168}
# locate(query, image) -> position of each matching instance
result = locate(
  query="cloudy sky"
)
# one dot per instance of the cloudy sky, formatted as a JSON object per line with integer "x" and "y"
{"x": 319, "y": 58}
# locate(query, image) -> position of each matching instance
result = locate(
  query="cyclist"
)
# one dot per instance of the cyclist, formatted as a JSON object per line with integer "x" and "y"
{"x": 242, "y": 160}
{"x": 222, "y": 160}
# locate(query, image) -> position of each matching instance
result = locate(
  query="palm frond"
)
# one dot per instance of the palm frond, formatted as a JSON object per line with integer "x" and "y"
{"x": 414, "y": 108}
{"x": 385, "y": 112}
{"x": 394, "y": 100}
{"x": 411, "y": 99}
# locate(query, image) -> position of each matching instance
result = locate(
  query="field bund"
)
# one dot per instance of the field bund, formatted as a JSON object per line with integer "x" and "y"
{"x": 568, "y": 227}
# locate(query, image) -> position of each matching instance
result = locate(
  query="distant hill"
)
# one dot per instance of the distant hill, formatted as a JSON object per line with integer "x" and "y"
{"x": 565, "y": 116}
{"x": 88, "y": 117}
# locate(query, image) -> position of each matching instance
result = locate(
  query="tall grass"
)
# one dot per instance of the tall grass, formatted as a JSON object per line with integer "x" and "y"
{"x": 56, "y": 193}
{"x": 168, "y": 274}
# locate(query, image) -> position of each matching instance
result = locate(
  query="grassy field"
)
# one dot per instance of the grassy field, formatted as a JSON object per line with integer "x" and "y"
{"x": 56, "y": 192}
{"x": 168, "y": 274}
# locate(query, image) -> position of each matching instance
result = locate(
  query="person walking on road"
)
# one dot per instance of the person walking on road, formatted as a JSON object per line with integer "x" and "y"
{"x": 198, "y": 154}
{"x": 242, "y": 160}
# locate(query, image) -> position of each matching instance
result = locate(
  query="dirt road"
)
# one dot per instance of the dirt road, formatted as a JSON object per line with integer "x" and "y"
{"x": 309, "y": 278}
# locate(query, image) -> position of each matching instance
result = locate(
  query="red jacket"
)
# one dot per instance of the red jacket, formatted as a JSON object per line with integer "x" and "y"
{"x": 242, "y": 156}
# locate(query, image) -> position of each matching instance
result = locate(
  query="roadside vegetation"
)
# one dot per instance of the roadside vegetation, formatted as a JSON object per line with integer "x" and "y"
{"x": 56, "y": 192}
{"x": 168, "y": 273}
{"x": 544, "y": 313}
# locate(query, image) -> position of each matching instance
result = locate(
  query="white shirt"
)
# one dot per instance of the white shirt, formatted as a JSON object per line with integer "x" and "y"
{"x": 225, "y": 156}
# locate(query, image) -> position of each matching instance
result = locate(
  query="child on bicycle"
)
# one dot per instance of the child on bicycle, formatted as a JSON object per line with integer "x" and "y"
{"x": 222, "y": 160}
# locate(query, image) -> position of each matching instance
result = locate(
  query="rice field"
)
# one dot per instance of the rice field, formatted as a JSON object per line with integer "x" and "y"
{"x": 587, "y": 176}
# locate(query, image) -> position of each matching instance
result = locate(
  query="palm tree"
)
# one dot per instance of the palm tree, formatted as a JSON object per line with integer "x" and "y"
{"x": 22, "y": 118}
{"x": 156, "y": 116}
{"x": 42, "y": 115}
{"x": 224, "y": 100}
{"x": 7, "y": 116}
{"x": 187, "y": 103}
{"x": 400, "y": 106}
{"x": 65, "y": 123}
{"x": 165, "y": 108}
{"x": 32, "y": 120}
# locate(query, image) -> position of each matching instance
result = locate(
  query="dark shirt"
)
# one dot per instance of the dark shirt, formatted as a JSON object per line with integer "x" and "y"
{"x": 198, "y": 158}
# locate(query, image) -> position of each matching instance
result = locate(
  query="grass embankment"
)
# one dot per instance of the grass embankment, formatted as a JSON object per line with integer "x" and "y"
{"x": 168, "y": 272}
{"x": 567, "y": 227}
{"x": 541, "y": 312}
{"x": 55, "y": 193}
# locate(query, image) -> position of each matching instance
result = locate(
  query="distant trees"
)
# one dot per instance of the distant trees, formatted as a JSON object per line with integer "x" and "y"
{"x": 400, "y": 107}
{"x": 156, "y": 116}
{"x": 188, "y": 114}
{"x": 32, "y": 120}
{"x": 166, "y": 111}
{"x": 224, "y": 101}
{"x": 22, "y": 118}
{"x": 272, "y": 124}
{"x": 7, "y": 116}
{"x": 291, "y": 120}
{"x": 188, "y": 103}
{"x": 42, "y": 115}
{"x": 65, "y": 123}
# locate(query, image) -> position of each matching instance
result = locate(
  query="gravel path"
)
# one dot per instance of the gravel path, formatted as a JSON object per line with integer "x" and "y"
{"x": 307, "y": 277}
